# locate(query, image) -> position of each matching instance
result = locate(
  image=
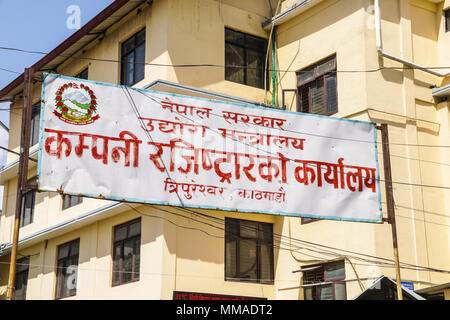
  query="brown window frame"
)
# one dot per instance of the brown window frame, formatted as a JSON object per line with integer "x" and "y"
{"x": 259, "y": 241}
{"x": 28, "y": 193}
{"x": 320, "y": 275}
{"x": 72, "y": 201}
{"x": 135, "y": 274}
{"x": 61, "y": 268}
{"x": 21, "y": 277}
{"x": 317, "y": 77}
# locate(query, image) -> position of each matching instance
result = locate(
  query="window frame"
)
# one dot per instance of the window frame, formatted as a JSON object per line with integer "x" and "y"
{"x": 78, "y": 200}
{"x": 35, "y": 121}
{"x": 317, "y": 76}
{"x": 124, "y": 54}
{"x": 447, "y": 19}
{"x": 326, "y": 281}
{"x": 81, "y": 75}
{"x": 245, "y": 48}
{"x": 32, "y": 194}
{"x": 259, "y": 241}
{"x": 22, "y": 275}
{"x": 121, "y": 242}
{"x": 61, "y": 271}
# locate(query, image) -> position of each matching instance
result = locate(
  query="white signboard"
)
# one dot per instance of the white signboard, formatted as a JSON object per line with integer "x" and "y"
{"x": 118, "y": 143}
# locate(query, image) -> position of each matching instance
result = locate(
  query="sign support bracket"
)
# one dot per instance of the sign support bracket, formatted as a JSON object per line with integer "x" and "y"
{"x": 390, "y": 203}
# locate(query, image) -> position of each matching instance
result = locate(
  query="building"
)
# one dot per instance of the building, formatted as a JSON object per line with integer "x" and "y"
{"x": 356, "y": 59}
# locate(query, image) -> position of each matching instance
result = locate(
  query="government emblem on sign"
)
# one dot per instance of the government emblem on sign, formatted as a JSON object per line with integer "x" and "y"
{"x": 76, "y": 104}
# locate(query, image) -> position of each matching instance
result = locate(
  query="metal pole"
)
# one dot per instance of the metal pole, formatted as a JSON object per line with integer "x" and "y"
{"x": 22, "y": 175}
{"x": 390, "y": 203}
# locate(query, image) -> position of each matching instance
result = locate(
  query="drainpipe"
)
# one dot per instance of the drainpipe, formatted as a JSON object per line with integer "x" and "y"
{"x": 389, "y": 56}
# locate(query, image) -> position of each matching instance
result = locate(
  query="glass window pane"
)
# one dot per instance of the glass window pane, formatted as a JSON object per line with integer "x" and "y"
{"x": 234, "y": 56}
{"x": 335, "y": 271}
{"x": 130, "y": 69}
{"x": 266, "y": 262}
{"x": 234, "y": 36}
{"x": 331, "y": 94}
{"x": 339, "y": 291}
{"x": 255, "y": 67}
{"x": 232, "y": 227}
{"x": 308, "y": 293}
{"x": 63, "y": 251}
{"x": 305, "y": 75}
{"x": 116, "y": 263}
{"x": 247, "y": 259}
{"x": 120, "y": 233}
{"x": 317, "y": 97}
{"x": 137, "y": 258}
{"x": 128, "y": 46}
{"x": 325, "y": 292}
{"x": 74, "y": 248}
{"x": 265, "y": 232}
{"x": 140, "y": 37}
{"x": 134, "y": 229}
{"x": 140, "y": 63}
{"x": 128, "y": 260}
{"x": 249, "y": 229}
{"x": 256, "y": 43}
{"x": 325, "y": 67}
{"x": 230, "y": 258}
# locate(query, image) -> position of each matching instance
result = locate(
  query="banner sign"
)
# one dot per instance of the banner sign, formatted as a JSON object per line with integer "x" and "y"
{"x": 119, "y": 143}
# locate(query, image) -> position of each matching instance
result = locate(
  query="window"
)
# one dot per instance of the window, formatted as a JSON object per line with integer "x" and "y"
{"x": 317, "y": 88}
{"x": 133, "y": 58}
{"x": 83, "y": 74}
{"x": 67, "y": 269}
{"x": 126, "y": 252}
{"x": 28, "y": 201}
{"x": 248, "y": 251}
{"x": 70, "y": 201}
{"x": 35, "y": 119}
{"x": 21, "y": 279}
{"x": 308, "y": 220}
{"x": 325, "y": 281}
{"x": 245, "y": 57}
{"x": 447, "y": 20}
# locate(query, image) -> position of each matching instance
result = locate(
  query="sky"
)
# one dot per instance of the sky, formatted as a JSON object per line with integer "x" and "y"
{"x": 36, "y": 26}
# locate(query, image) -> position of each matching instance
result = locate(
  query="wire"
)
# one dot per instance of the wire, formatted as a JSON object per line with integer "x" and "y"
{"x": 217, "y": 65}
{"x": 7, "y": 70}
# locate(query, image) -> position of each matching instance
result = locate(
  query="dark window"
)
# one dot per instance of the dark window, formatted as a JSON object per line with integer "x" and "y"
{"x": 325, "y": 281}
{"x": 83, "y": 74}
{"x": 35, "y": 119}
{"x": 447, "y": 20}
{"x": 308, "y": 220}
{"x": 70, "y": 201}
{"x": 245, "y": 56}
{"x": 20, "y": 285}
{"x": 126, "y": 252}
{"x": 317, "y": 88}
{"x": 67, "y": 269}
{"x": 248, "y": 251}
{"x": 28, "y": 201}
{"x": 133, "y": 58}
